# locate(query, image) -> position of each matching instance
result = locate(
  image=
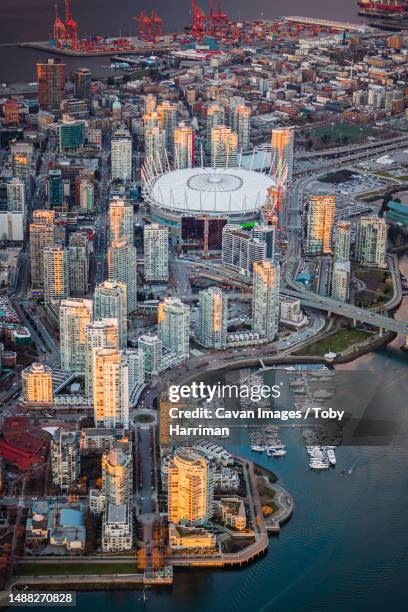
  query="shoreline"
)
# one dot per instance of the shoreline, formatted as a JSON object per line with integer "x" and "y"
{"x": 165, "y": 577}
{"x": 47, "y": 48}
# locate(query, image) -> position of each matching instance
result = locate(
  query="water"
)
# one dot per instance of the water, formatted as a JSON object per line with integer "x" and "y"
{"x": 344, "y": 548}
{"x": 31, "y": 20}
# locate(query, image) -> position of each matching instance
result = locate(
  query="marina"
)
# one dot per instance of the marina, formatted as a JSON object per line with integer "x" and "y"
{"x": 267, "y": 441}
{"x": 309, "y": 389}
{"x": 321, "y": 457}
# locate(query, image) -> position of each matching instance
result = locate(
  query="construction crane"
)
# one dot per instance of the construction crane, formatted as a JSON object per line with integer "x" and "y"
{"x": 275, "y": 197}
{"x": 198, "y": 18}
{"x": 273, "y": 204}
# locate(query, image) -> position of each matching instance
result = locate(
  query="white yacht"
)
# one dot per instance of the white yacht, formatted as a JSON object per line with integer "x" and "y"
{"x": 257, "y": 448}
{"x": 331, "y": 456}
{"x": 318, "y": 464}
{"x": 279, "y": 452}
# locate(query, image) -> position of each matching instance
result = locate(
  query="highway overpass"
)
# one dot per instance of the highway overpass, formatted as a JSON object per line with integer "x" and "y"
{"x": 348, "y": 310}
{"x": 366, "y": 146}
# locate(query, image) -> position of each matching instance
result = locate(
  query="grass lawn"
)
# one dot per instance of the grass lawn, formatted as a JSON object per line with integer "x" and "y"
{"x": 57, "y": 569}
{"x": 274, "y": 507}
{"x": 352, "y": 132}
{"x": 366, "y": 273}
{"x": 379, "y": 287}
{"x": 384, "y": 174}
{"x": 367, "y": 196}
{"x": 271, "y": 494}
{"x": 337, "y": 342}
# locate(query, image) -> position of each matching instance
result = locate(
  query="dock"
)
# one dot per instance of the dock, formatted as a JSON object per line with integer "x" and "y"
{"x": 90, "y": 582}
{"x": 93, "y": 52}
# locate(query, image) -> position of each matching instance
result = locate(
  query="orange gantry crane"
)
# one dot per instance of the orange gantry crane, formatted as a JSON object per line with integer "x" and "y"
{"x": 217, "y": 20}
{"x": 144, "y": 25}
{"x": 71, "y": 27}
{"x": 65, "y": 33}
{"x": 157, "y": 24}
{"x": 198, "y": 19}
{"x": 60, "y": 33}
{"x": 149, "y": 26}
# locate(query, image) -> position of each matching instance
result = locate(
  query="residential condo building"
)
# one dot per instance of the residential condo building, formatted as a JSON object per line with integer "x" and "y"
{"x": 342, "y": 241}
{"x": 224, "y": 147}
{"x": 341, "y": 281}
{"x": 37, "y": 384}
{"x": 65, "y": 459}
{"x": 110, "y": 302}
{"x": 282, "y": 142}
{"x": 121, "y": 155}
{"x": 110, "y": 388}
{"x": 371, "y": 242}
{"x": 240, "y": 249}
{"x": 41, "y": 236}
{"x": 213, "y": 318}
{"x": 75, "y": 316}
{"x": 56, "y": 274}
{"x": 156, "y": 252}
{"x": 120, "y": 221}
{"x": 174, "y": 326}
{"x": 100, "y": 333}
{"x": 122, "y": 268}
{"x": 265, "y": 299}
{"x": 190, "y": 488}
{"x": 320, "y": 220}
{"x": 183, "y": 146}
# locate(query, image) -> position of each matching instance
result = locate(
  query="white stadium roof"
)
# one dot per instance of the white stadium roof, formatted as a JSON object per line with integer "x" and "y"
{"x": 220, "y": 191}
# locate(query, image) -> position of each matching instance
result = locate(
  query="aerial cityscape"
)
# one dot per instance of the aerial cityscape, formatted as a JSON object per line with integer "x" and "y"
{"x": 203, "y": 311}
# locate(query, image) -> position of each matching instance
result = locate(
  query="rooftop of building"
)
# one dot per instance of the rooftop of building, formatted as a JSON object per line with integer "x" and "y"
{"x": 211, "y": 191}
{"x": 189, "y": 455}
{"x": 117, "y": 514}
{"x": 191, "y": 532}
{"x": 400, "y": 207}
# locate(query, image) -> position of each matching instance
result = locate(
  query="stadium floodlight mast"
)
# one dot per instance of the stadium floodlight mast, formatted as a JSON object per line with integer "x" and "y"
{"x": 263, "y": 160}
{"x": 253, "y": 159}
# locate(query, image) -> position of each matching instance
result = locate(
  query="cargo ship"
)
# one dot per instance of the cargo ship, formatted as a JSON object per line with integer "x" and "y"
{"x": 385, "y": 14}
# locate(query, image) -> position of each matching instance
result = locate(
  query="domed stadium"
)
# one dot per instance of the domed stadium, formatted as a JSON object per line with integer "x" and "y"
{"x": 235, "y": 193}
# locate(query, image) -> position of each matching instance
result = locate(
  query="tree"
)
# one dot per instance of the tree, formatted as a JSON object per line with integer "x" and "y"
{"x": 141, "y": 559}
{"x": 157, "y": 559}
{"x": 90, "y": 528}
